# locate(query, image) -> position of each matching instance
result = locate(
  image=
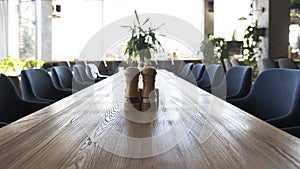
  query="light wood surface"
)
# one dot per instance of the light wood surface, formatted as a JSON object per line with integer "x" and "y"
{"x": 191, "y": 130}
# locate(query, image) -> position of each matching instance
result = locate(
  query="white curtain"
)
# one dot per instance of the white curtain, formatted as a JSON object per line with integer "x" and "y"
{"x": 3, "y": 28}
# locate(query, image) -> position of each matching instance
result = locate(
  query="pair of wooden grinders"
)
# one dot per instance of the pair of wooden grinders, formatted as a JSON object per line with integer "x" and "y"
{"x": 140, "y": 99}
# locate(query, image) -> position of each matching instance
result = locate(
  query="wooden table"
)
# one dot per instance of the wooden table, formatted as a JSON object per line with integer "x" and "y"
{"x": 191, "y": 129}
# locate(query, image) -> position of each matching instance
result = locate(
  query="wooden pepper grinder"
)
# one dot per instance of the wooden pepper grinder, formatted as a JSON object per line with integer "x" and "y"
{"x": 148, "y": 93}
{"x": 132, "y": 90}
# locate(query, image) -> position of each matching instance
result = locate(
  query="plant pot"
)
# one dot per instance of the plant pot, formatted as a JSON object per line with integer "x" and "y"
{"x": 145, "y": 54}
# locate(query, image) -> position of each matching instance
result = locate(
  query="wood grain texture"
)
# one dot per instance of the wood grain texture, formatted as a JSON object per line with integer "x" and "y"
{"x": 191, "y": 129}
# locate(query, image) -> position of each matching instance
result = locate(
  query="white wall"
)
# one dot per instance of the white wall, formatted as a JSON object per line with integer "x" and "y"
{"x": 226, "y": 18}
{"x": 81, "y": 19}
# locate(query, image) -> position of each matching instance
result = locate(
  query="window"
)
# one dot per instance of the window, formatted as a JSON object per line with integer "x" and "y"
{"x": 27, "y": 29}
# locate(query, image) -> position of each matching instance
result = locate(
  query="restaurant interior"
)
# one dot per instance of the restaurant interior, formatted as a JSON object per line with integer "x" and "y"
{"x": 149, "y": 84}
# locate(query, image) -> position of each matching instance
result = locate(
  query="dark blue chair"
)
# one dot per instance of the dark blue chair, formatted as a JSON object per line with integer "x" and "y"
{"x": 114, "y": 67}
{"x": 295, "y": 131}
{"x": 12, "y": 106}
{"x": 93, "y": 72}
{"x": 166, "y": 64}
{"x": 177, "y": 67}
{"x": 66, "y": 80}
{"x": 268, "y": 63}
{"x": 236, "y": 84}
{"x": 153, "y": 63}
{"x": 80, "y": 76}
{"x": 101, "y": 67}
{"x": 185, "y": 70}
{"x": 274, "y": 97}
{"x": 212, "y": 77}
{"x": 2, "y": 124}
{"x": 287, "y": 63}
{"x": 37, "y": 85}
{"x": 198, "y": 71}
{"x": 82, "y": 70}
{"x": 27, "y": 91}
{"x": 62, "y": 78}
{"x": 64, "y": 63}
{"x": 187, "y": 74}
{"x": 81, "y": 62}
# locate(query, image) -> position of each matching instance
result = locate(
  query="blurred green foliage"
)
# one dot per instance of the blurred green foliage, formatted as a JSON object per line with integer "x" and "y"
{"x": 251, "y": 48}
{"x": 214, "y": 50}
{"x": 12, "y": 67}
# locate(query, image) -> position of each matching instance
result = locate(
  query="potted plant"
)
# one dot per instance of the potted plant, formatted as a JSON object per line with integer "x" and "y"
{"x": 214, "y": 50}
{"x": 141, "y": 41}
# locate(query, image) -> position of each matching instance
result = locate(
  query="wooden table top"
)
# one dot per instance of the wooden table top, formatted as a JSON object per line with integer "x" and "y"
{"x": 191, "y": 129}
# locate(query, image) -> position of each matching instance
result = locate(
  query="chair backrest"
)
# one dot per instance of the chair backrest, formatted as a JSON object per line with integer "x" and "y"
{"x": 92, "y": 70}
{"x": 55, "y": 79}
{"x": 275, "y": 92}
{"x": 238, "y": 81}
{"x": 234, "y": 62}
{"x": 227, "y": 64}
{"x": 167, "y": 65}
{"x": 101, "y": 67}
{"x": 64, "y": 76}
{"x": 80, "y": 74}
{"x": 268, "y": 63}
{"x": 9, "y": 93}
{"x": 2, "y": 124}
{"x": 294, "y": 130}
{"x": 81, "y": 62}
{"x": 153, "y": 63}
{"x": 27, "y": 91}
{"x": 213, "y": 76}
{"x": 114, "y": 66}
{"x": 177, "y": 68}
{"x": 9, "y": 100}
{"x": 287, "y": 63}
{"x": 186, "y": 70}
{"x": 190, "y": 65}
{"x": 64, "y": 63}
{"x": 40, "y": 82}
{"x": 41, "y": 86}
{"x": 12, "y": 107}
{"x": 198, "y": 71}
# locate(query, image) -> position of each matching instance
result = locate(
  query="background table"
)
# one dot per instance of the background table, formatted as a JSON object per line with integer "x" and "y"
{"x": 191, "y": 129}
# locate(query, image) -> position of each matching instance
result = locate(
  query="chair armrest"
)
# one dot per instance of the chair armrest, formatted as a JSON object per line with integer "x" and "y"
{"x": 285, "y": 121}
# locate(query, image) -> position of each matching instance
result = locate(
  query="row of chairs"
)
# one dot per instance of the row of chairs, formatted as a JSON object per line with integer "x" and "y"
{"x": 12, "y": 106}
{"x": 282, "y": 63}
{"x": 273, "y": 97}
{"x": 38, "y": 85}
{"x": 235, "y": 83}
{"x": 40, "y": 89}
{"x": 103, "y": 68}
{"x": 266, "y": 62}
